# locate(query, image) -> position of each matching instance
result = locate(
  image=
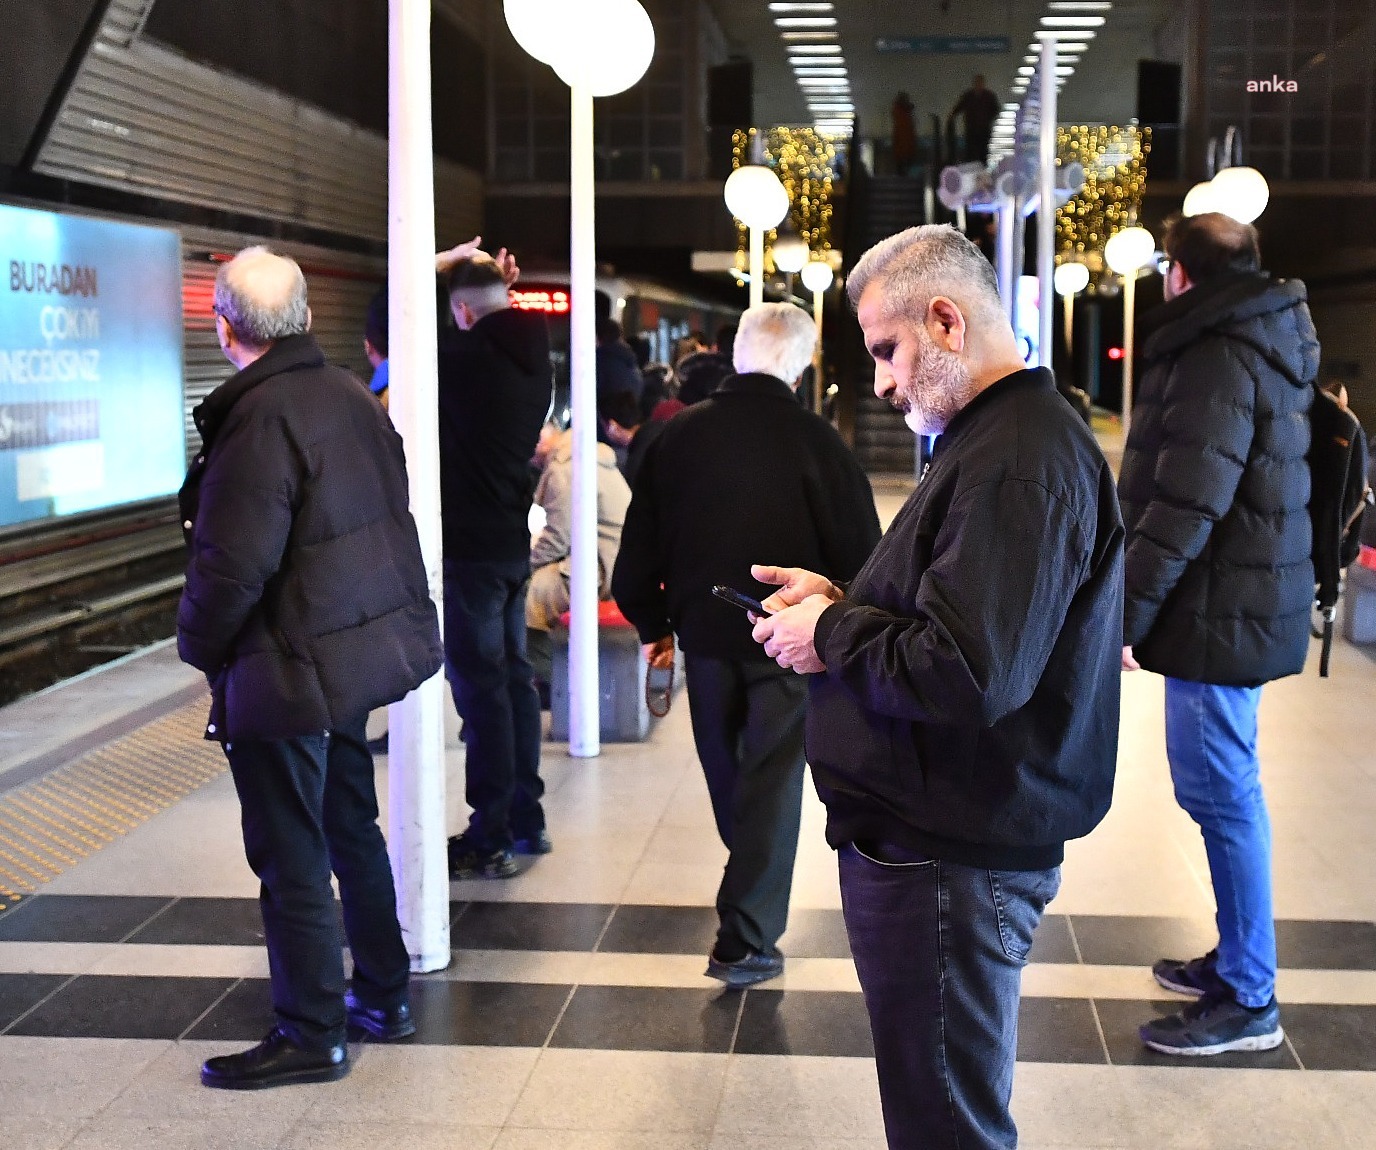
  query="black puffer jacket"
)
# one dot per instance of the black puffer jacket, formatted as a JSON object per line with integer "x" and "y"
{"x": 1215, "y": 486}
{"x": 306, "y": 602}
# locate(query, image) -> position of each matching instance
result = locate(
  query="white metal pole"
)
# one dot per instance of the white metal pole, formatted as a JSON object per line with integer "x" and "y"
{"x": 584, "y": 723}
{"x": 1046, "y": 209}
{"x": 756, "y": 266}
{"x": 818, "y": 390}
{"x": 1069, "y": 304}
{"x": 416, "y": 774}
{"x": 1003, "y": 256}
{"x": 1129, "y": 309}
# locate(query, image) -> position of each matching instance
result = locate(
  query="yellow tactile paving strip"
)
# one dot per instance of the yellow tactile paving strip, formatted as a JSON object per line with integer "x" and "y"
{"x": 51, "y": 824}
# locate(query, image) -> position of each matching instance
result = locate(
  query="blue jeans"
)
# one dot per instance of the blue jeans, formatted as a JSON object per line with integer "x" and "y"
{"x": 940, "y": 948}
{"x": 1211, "y": 741}
{"x": 494, "y": 691}
{"x": 309, "y": 807}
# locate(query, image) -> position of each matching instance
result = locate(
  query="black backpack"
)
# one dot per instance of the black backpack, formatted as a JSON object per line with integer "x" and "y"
{"x": 1338, "y": 498}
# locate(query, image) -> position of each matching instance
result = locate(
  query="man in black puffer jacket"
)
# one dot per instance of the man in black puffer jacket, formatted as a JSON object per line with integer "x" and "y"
{"x": 1215, "y": 489}
{"x": 306, "y": 606}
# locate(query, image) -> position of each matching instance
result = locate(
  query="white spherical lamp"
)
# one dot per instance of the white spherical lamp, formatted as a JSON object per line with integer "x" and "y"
{"x": 1200, "y": 199}
{"x": 817, "y": 276}
{"x": 790, "y": 253}
{"x": 1129, "y": 250}
{"x": 608, "y": 48}
{"x": 756, "y": 197}
{"x": 539, "y": 26}
{"x": 1241, "y": 193}
{"x": 1070, "y": 278}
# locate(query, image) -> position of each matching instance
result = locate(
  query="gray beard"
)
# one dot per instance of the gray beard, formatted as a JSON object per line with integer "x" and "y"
{"x": 935, "y": 392}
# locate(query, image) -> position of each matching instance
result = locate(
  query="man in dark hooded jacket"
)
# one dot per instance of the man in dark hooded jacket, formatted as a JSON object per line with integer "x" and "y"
{"x": 1214, "y": 490}
{"x": 306, "y": 606}
{"x": 495, "y": 387}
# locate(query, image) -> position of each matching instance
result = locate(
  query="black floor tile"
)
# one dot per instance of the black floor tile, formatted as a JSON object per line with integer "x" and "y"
{"x": 206, "y": 922}
{"x": 1052, "y": 942}
{"x": 103, "y": 1006}
{"x": 818, "y": 1023}
{"x": 1121, "y": 1018}
{"x": 815, "y": 934}
{"x": 1058, "y": 1030}
{"x": 78, "y": 918}
{"x": 1122, "y": 940}
{"x": 18, "y": 992}
{"x": 529, "y": 926}
{"x": 243, "y": 1015}
{"x": 449, "y": 1013}
{"x": 661, "y": 930}
{"x": 1326, "y": 945}
{"x": 1330, "y": 1037}
{"x": 648, "y": 1018}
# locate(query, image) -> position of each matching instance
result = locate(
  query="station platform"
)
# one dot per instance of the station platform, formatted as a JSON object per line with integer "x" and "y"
{"x": 575, "y": 1014}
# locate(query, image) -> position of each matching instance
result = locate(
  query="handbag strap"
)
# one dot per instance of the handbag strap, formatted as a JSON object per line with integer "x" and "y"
{"x": 659, "y": 699}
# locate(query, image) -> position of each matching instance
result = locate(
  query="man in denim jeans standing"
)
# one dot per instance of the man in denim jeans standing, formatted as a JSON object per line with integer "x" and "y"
{"x": 963, "y": 719}
{"x": 1215, "y": 491}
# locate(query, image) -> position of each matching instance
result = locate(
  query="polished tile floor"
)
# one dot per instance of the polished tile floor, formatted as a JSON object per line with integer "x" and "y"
{"x": 575, "y": 1015}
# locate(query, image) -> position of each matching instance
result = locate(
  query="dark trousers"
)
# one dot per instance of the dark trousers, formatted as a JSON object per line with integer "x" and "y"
{"x": 310, "y": 807}
{"x": 494, "y": 691}
{"x": 748, "y": 728}
{"x": 940, "y": 950}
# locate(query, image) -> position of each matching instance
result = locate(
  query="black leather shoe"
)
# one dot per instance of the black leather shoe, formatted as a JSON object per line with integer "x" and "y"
{"x": 276, "y": 1061}
{"x": 754, "y": 967}
{"x": 385, "y": 1025}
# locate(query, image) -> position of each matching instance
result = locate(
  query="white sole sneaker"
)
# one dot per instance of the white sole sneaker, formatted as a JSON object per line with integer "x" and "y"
{"x": 1252, "y": 1043}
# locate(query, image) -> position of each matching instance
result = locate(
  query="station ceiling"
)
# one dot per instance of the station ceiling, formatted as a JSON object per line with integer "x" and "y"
{"x": 1102, "y": 89}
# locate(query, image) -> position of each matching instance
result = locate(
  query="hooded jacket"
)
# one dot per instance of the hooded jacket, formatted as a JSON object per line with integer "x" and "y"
{"x": 306, "y": 602}
{"x": 495, "y": 389}
{"x": 969, "y": 706}
{"x": 1215, "y": 484}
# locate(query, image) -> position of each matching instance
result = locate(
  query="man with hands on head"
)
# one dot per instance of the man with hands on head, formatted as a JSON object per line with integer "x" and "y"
{"x": 963, "y": 705}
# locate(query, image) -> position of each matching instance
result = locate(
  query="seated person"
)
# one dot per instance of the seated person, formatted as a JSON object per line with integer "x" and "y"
{"x": 548, "y": 596}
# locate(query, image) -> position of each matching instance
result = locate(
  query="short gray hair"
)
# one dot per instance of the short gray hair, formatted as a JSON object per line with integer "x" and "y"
{"x": 776, "y": 339}
{"x": 262, "y": 296}
{"x": 919, "y": 264}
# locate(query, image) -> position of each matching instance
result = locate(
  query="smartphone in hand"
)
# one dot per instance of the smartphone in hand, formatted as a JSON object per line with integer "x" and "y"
{"x": 737, "y": 599}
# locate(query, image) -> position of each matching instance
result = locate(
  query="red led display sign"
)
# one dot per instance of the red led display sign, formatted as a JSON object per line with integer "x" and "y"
{"x": 550, "y": 300}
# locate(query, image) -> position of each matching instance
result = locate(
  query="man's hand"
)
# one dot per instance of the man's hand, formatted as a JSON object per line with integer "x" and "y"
{"x": 788, "y": 636}
{"x": 660, "y": 653}
{"x": 505, "y": 261}
{"x": 794, "y": 585}
{"x": 1129, "y": 663}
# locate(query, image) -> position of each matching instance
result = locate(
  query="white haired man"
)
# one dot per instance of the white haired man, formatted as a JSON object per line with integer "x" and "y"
{"x": 963, "y": 719}
{"x": 746, "y": 472}
{"x": 306, "y": 605}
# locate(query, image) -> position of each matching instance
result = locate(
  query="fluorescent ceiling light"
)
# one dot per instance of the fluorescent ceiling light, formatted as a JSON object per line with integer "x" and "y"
{"x": 815, "y": 49}
{"x": 805, "y": 21}
{"x": 1026, "y": 70}
{"x": 823, "y": 82}
{"x": 1078, "y": 6}
{"x": 1071, "y": 22}
{"x": 1066, "y": 34}
{"x": 819, "y": 67}
{"x": 801, "y": 7}
{"x": 810, "y": 37}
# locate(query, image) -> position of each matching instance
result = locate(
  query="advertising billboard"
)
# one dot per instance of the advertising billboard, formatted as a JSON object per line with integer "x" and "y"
{"x": 90, "y": 364}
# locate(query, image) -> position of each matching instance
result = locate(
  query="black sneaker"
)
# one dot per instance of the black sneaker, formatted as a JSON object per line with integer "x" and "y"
{"x": 536, "y": 844}
{"x": 1216, "y": 1024}
{"x": 276, "y": 1061}
{"x": 384, "y": 1025}
{"x": 468, "y": 861}
{"x": 1195, "y": 977}
{"x": 754, "y": 967}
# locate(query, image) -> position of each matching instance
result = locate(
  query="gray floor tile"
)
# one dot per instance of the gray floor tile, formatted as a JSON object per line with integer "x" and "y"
{"x": 808, "y": 1023}
{"x": 1330, "y": 1037}
{"x": 449, "y": 1013}
{"x": 206, "y": 922}
{"x": 78, "y": 918}
{"x": 1058, "y": 1030}
{"x": 100, "y": 1006}
{"x": 1123, "y": 940}
{"x": 529, "y": 925}
{"x": 19, "y": 992}
{"x": 648, "y": 1018}
{"x": 661, "y": 930}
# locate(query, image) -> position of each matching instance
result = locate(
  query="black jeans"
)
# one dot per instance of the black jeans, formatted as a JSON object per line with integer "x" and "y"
{"x": 309, "y": 807}
{"x": 494, "y": 691}
{"x": 748, "y": 727}
{"x": 940, "y": 949}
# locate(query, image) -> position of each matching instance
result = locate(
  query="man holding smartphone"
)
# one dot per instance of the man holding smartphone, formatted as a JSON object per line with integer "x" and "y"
{"x": 963, "y": 717}
{"x": 703, "y": 506}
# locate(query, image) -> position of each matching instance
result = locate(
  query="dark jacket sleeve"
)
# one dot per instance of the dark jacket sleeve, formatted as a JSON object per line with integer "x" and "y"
{"x": 848, "y": 524}
{"x": 243, "y": 521}
{"x": 1006, "y": 563}
{"x": 638, "y": 578}
{"x": 1208, "y": 422}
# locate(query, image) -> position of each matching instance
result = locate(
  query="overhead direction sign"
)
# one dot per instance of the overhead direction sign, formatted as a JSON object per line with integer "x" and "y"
{"x": 944, "y": 45}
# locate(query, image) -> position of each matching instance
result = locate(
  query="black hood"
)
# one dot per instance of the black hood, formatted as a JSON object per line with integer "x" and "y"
{"x": 520, "y": 336}
{"x": 1248, "y": 306}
